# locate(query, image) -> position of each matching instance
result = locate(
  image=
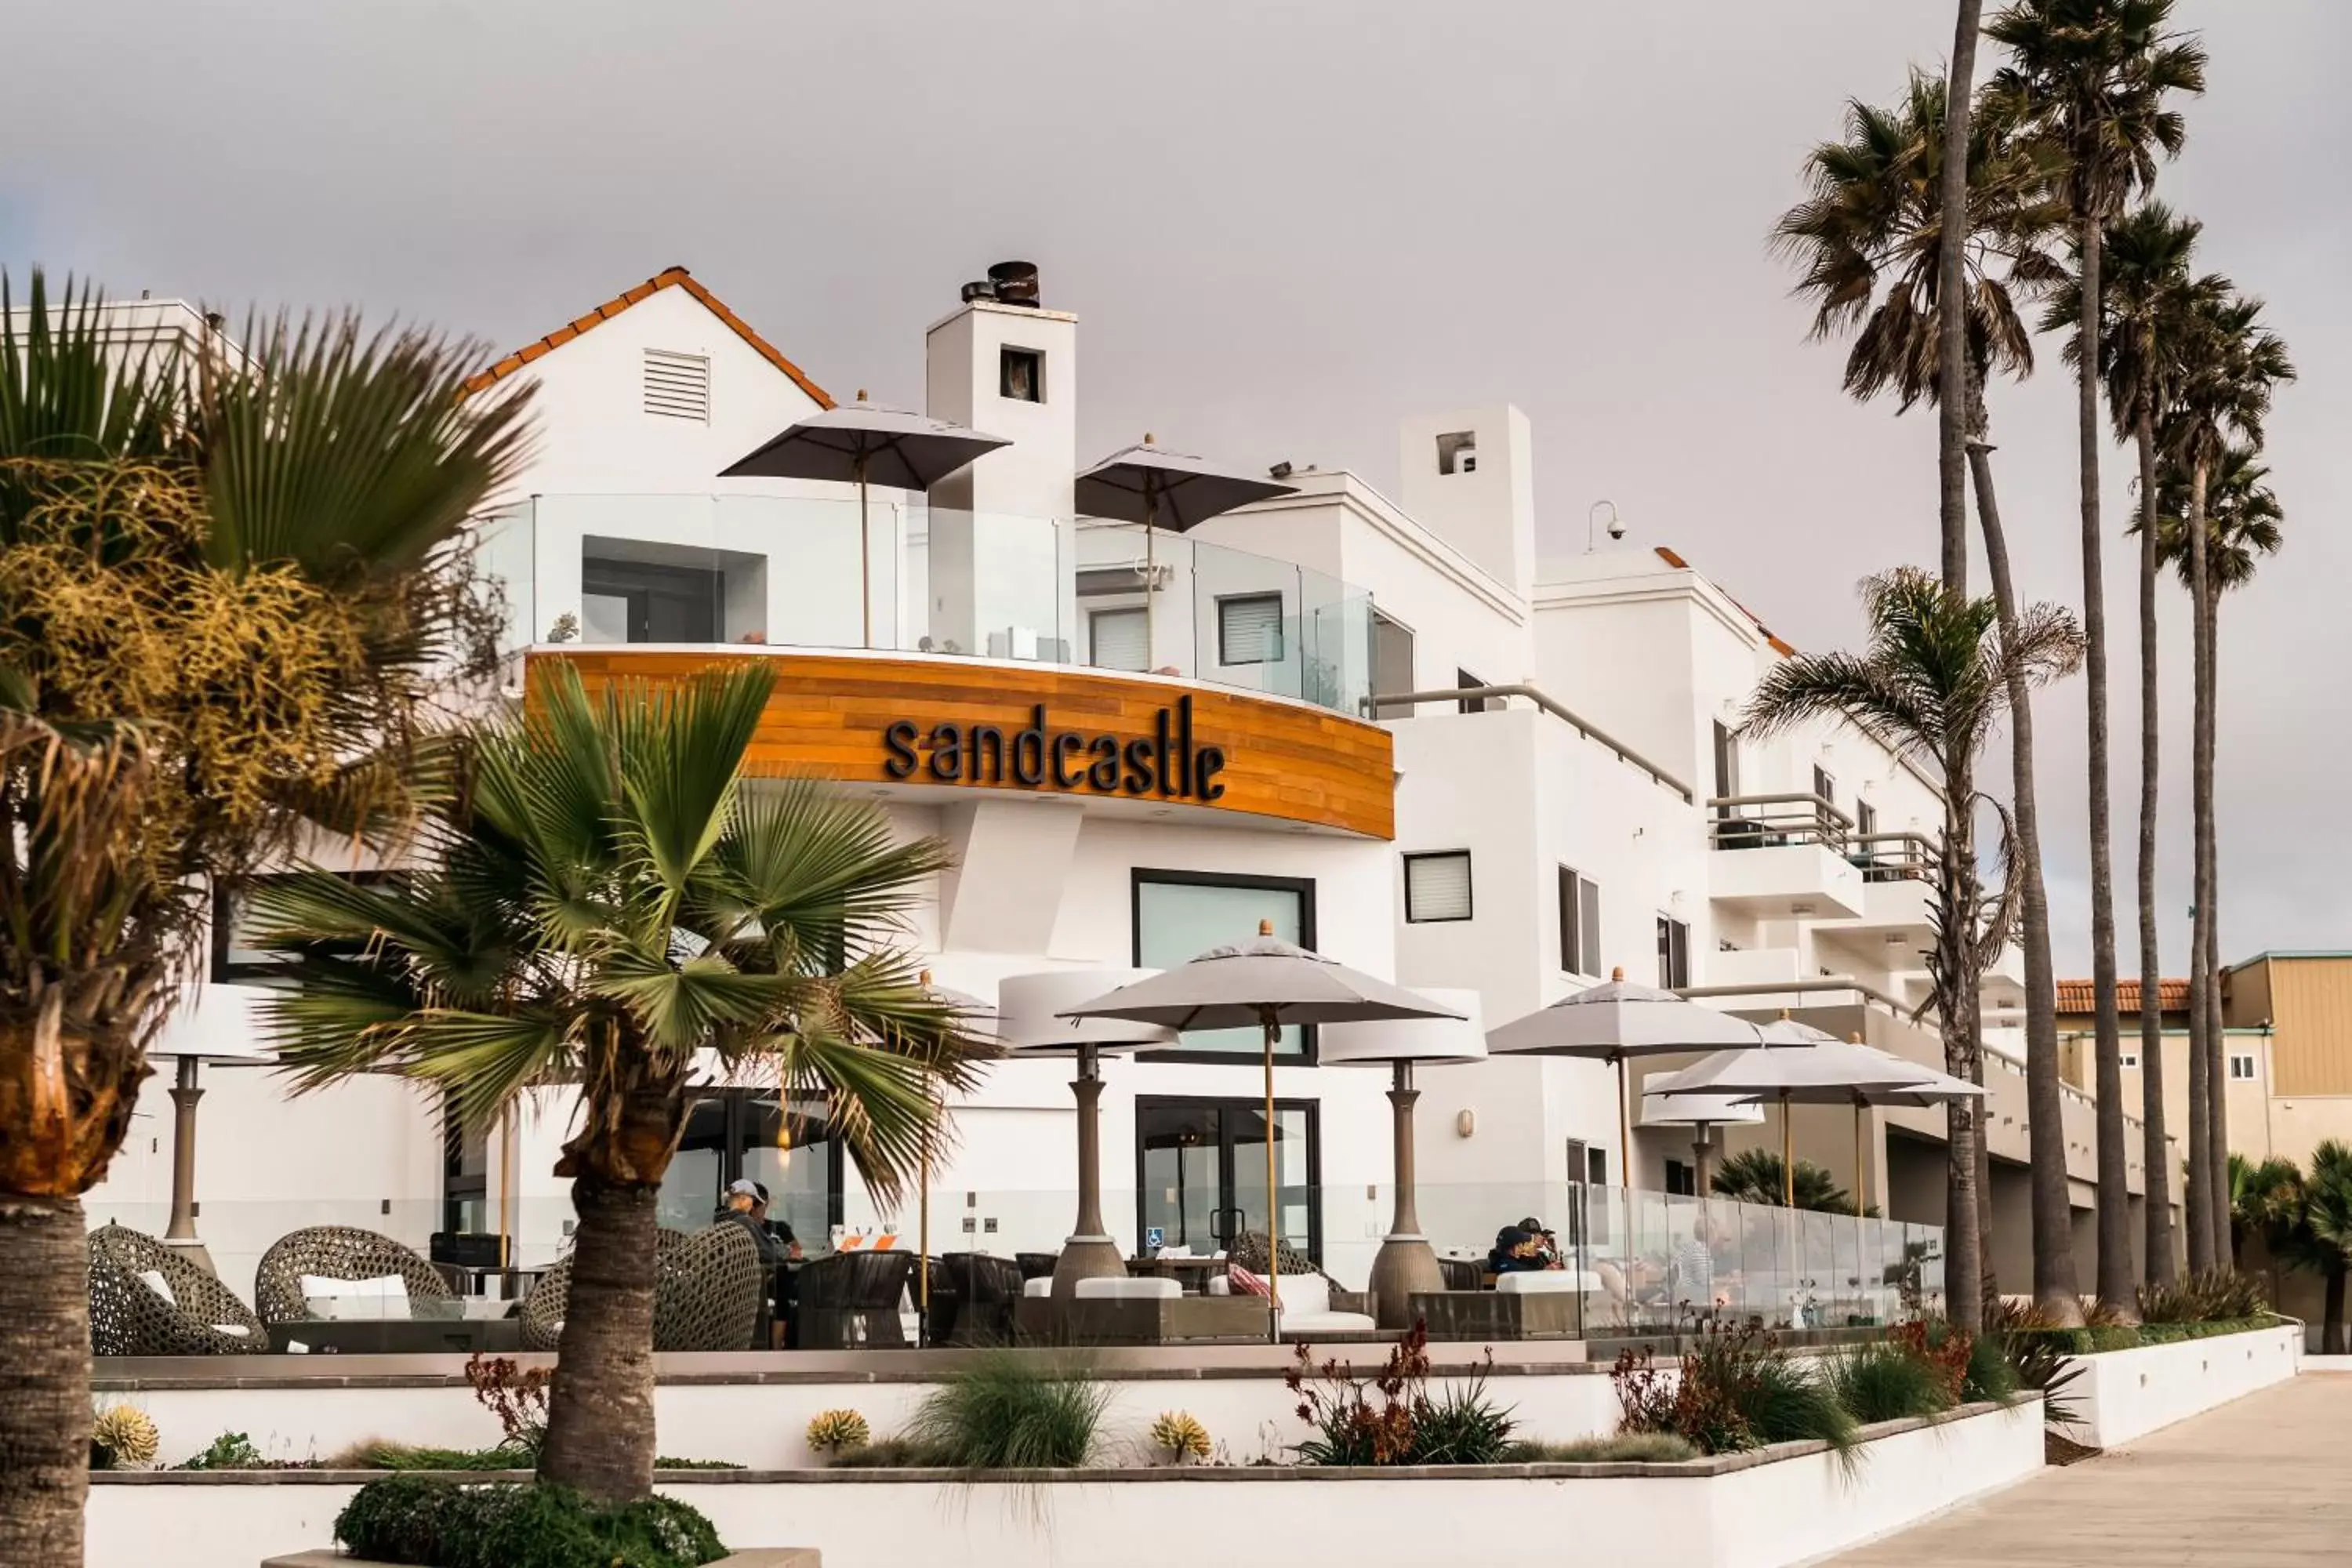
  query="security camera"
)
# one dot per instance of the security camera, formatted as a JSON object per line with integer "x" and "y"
{"x": 1280, "y": 470}
{"x": 1616, "y": 529}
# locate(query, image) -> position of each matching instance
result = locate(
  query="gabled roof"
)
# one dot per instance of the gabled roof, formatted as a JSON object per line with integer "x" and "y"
{"x": 673, "y": 277}
{"x": 2081, "y": 995}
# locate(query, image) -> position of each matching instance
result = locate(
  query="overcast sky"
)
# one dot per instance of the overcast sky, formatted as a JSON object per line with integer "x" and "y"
{"x": 1287, "y": 222}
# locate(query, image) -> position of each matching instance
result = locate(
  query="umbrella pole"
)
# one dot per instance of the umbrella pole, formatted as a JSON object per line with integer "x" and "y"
{"x": 1273, "y": 1199}
{"x": 1150, "y": 577}
{"x": 865, "y": 562}
{"x": 1624, "y": 1140}
{"x": 923, "y": 1247}
{"x": 1861, "y": 1176}
{"x": 1787, "y": 1154}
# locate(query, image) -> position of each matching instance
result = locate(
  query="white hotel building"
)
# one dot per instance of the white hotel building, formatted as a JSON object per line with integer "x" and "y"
{"x": 1601, "y": 813}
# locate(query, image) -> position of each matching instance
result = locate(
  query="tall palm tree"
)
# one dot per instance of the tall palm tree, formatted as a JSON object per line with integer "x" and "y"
{"x": 1932, "y": 682}
{"x": 2148, "y": 289}
{"x": 611, "y": 900}
{"x": 2230, "y": 367}
{"x": 2093, "y": 79}
{"x": 230, "y": 603}
{"x": 1869, "y": 238}
{"x": 1952, "y": 213}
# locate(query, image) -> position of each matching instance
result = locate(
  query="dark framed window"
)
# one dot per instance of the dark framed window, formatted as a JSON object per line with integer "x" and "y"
{"x": 734, "y": 1134}
{"x": 1674, "y": 953}
{"x": 1457, "y": 452}
{"x": 1824, "y": 786}
{"x": 1021, "y": 374}
{"x": 1199, "y": 1172}
{"x": 1866, "y": 817}
{"x": 1682, "y": 1180}
{"x": 1580, "y": 923}
{"x": 1464, "y": 680}
{"x": 465, "y": 1176}
{"x": 1727, "y": 766}
{"x": 1392, "y": 665}
{"x": 234, "y": 961}
{"x": 1176, "y": 916}
{"x": 1437, "y": 886}
{"x": 1249, "y": 628}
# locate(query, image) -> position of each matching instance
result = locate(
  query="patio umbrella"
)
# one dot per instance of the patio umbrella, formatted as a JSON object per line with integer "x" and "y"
{"x": 1406, "y": 1262}
{"x": 1617, "y": 1019}
{"x": 1703, "y": 1113}
{"x": 970, "y": 1010}
{"x": 1030, "y": 1022}
{"x": 1267, "y": 983}
{"x": 1826, "y": 1070}
{"x": 1164, "y": 490}
{"x": 865, "y": 443}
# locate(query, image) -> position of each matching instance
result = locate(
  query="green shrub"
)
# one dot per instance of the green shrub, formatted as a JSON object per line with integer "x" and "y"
{"x": 413, "y": 1520}
{"x": 1883, "y": 1381}
{"x": 1391, "y": 1419}
{"x": 1624, "y": 1449}
{"x": 1460, "y": 1427}
{"x": 230, "y": 1451}
{"x": 1991, "y": 1376}
{"x": 889, "y": 1453}
{"x": 2039, "y": 1362}
{"x": 1006, "y": 1413}
{"x": 1785, "y": 1402}
{"x": 375, "y": 1453}
{"x": 1736, "y": 1390}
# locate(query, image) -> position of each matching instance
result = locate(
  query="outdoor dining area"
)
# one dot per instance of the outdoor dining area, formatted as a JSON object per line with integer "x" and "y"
{"x": 1613, "y": 1261}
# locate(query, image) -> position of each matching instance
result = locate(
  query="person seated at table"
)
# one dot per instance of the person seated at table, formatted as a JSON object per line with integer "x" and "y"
{"x": 1518, "y": 1251}
{"x": 1548, "y": 1243}
{"x": 778, "y": 1228}
{"x": 742, "y": 1201}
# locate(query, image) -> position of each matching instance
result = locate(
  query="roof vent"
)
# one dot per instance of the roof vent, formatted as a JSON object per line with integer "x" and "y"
{"x": 1007, "y": 283}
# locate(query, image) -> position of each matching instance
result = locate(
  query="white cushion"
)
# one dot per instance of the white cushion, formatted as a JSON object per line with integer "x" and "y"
{"x": 1303, "y": 1295}
{"x": 1325, "y": 1323}
{"x": 1218, "y": 1285}
{"x": 1547, "y": 1282}
{"x": 1128, "y": 1288}
{"x": 154, "y": 1280}
{"x": 386, "y": 1296}
{"x": 1041, "y": 1286}
{"x": 239, "y": 1329}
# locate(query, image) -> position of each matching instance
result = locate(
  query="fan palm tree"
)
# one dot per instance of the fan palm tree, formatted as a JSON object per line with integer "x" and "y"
{"x": 2264, "y": 1200}
{"x": 231, "y": 606}
{"x": 1869, "y": 238}
{"x": 1932, "y": 684}
{"x": 2093, "y": 79}
{"x": 1753, "y": 1177}
{"x": 2148, "y": 289}
{"x": 610, "y": 902}
{"x": 2230, "y": 367}
{"x": 2322, "y": 1241}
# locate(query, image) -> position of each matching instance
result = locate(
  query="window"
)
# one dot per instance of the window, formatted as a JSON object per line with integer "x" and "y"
{"x": 2241, "y": 1068}
{"x": 1682, "y": 1180}
{"x": 1674, "y": 953}
{"x": 1824, "y": 786}
{"x": 1200, "y": 1171}
{"x": 743, "y": 1134}
{"x": 1117, "y": 639}
{"x": 1457, "y": 452}
{"x": 677, "y": 386}
{"x": 1727, "y": 766}
{"x": 1466, "y": 681}
{"x": 2129, "y": 1059}
{"x": 1580, "y": 923}
{"x": 1249, "y": 628}
{"x": 464, "y": 1175}
{"x": 639, "y": 591}
{"x": 1021, "y": 374}
{"x": 235, "y": 961}
{"x": 1392, "y": 665}
{"x": 1866, "y": 817}
{"x": 1178, "y": 915}
{"x": 1437, "y": 886}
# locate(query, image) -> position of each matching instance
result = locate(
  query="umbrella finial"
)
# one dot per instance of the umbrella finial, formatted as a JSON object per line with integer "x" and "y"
{"x": 1149, "y": 438}
{"x": 861, "y": 395}
{"x": 924, "y": 978}
{"x": 1265, "y": 928}
{"x": 1784, "y": 1014}
{"x": 1854, "y": 1038}
{"x": 1618, "y": 973}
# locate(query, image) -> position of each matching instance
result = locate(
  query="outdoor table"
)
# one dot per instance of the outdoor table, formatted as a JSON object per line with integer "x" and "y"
{"x": 1193, "y": 1273}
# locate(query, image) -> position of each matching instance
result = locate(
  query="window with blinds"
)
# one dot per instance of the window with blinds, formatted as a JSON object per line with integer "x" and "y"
{"x": 1249, "y": 629}
{"x": 1117, "y": 639}
{"x": 677, "y": 386}
{"x": 1437, "y": 886}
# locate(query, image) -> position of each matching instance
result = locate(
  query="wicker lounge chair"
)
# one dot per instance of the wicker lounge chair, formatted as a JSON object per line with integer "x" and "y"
{"x": 339, "y": 1252}
{"x": 191, "y": 1313}
{"x": 973, "y": 1298}
{"x": 708, "y": 1289}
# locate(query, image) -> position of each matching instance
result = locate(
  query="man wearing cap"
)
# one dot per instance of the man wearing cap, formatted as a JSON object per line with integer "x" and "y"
{"x": 743, "y": 1202}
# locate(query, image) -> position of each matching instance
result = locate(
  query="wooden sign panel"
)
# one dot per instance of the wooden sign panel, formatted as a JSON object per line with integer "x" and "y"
{"x": 1043, "y": 728}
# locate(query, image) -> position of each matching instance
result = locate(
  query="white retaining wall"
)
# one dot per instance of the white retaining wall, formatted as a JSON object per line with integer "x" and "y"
{"x": 1772, "y": 1509}
{"x": 2124, "y": 1394}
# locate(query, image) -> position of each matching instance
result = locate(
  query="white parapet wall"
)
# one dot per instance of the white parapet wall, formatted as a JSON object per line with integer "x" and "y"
{"x": 1771, "y": 1508}
{"x": 2125, "y": 1394}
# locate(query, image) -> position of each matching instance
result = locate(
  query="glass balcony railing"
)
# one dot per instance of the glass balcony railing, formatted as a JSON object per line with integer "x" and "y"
{"x": 786, "y": 571}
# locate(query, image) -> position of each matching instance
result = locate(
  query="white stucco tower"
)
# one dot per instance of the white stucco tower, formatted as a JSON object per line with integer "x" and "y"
{"x": 1469, "y": 476}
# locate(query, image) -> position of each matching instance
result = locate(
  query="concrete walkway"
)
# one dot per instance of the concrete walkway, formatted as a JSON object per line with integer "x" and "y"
{"x": 2265, "y": 1482}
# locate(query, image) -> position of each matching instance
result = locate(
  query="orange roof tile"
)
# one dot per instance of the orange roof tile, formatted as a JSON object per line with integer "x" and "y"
{"x": 2081, "y": 995}
{"x": 676, "y": 277}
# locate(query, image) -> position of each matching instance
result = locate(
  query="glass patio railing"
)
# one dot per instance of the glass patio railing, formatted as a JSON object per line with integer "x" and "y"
{"x": 715, "y": 570}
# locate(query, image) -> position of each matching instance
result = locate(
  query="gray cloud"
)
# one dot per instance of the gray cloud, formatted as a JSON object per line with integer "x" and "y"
{"x": 1286, "y": 224}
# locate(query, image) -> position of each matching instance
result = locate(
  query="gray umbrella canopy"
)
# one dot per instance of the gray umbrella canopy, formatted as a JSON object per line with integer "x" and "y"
{"x": 1263, "y": 983}
{"x": 866, "y": 443}
{"x": 1167, "y": 489}
{"x": 1619, "y": 1018}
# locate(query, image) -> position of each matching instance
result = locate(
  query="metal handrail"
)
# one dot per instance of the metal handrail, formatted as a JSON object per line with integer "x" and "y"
{"x": 1799, "y": 987}
{"x": 1822, "y": 807}
{"x": 1575, "y": 721}
{"x": 1751, "y": 822}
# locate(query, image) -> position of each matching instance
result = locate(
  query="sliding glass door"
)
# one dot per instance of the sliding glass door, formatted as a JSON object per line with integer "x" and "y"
{"x": 1200, "y": 1173}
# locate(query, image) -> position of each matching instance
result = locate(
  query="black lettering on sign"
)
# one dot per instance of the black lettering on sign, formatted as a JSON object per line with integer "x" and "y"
{"x": 1167, "y": 762}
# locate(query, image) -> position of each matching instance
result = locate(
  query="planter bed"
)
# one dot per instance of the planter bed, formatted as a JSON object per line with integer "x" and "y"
{"x": 1769, "y": 1508}
{"x": 2125, "y": 1393}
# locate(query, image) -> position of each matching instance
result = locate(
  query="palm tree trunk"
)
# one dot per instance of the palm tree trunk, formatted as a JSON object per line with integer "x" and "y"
{"x": 2204, "y": 1223}
{"x": 1956, "y": 897}
{"x": 2156, "y": 1164}
{"x": 2114, "y": 1287}
{"x": 2331, "y": 1331}
{"x": 599, "y": 1413}
{"x": 2056, "y": 1292}
{"x": 2209, "y": 902}
{"x": 45, "y": 1416}
{"x": 1951, "y": 303}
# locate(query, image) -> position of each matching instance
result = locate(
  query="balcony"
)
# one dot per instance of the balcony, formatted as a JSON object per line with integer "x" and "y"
{"x": 1782, "y": 856}
{"x": 733, "y": 569}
